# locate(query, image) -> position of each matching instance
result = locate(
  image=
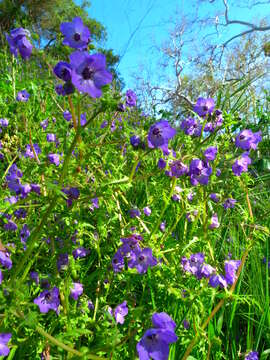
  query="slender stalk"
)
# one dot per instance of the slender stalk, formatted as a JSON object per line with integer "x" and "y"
{"x": 72, "y": 112}
{"x": 133, "y": 170}
{"x": 13, "y": 77}
{"x": 166, "y": 203}
{"x": 63, "y": 346}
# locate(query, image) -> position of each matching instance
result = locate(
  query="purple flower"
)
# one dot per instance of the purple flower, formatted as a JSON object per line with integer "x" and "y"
{"x": 134, "y": 213}
{"x": 89, "y": 72}
{"x": 191, "y": 127}
{"x": 194, "y": 264}
{"x": 51, "y": 137}
{"x": 83, "y": 119}
{"x": 59, "y": 89}
{"x": 231, "y": 267}
{"x": 76, "y": 35}
{"x": 135, "y": 141}
{"x": 247, "y": 140}
{"x": 80, "y": 252}
{"x": 95, "y": 204}
{"x": 25, "y": 48}
{"x": 25, "y": 190}
{"x": 162, "y": 226}
{"x": 63, "y": 71}
{"x": 34, "y": 276}
{"x": 241, "y": 165}
{"x": 13, "y": 178}
{"x": 131, "y": 98}
{"x": 72, "y": 193}
{"x": 35, "y": 188}
{"x": 252, "y": 355}
{"x": 217, "y": 280}
{"x": 23, "y": 96}
{"x": 161, "y": 163}
{"x": 10, "y": 226}
{"x": 217, "y": 122}
{"x": 143, "y": 260}
{"x": 44, "y": 124}
{"x": 120, "y": 312}
{"x": 48, "y": 300}
{"x": 76, "y": 290}
{"x": 229, "y": 203}
{"x": 4, "y": 339}
{"x": 163, "y": 321}
{"x": 186, "y": 324}
{"x": 62, "y": 261}
{"x": 12, "y": 199}
{"x": 206, "y": 271}
{"x": 176, "y": 197}
{"x": 190, "y": 196}
{"x": 54, "y": 159}
{"x": 155, "y": 344}
{"x": 204, "y": 106}
{"x": 5, "y": 259}
{"x": 24, "y": 234}
{"x": 214, "y": 197}
{"x": 67, "y": 115}
{"x": 18, "y": 41}
{"x": 210, "y": 153}
{"x": 15, "y": 35}
{"x": 199, "y": 172}
{"x": 29, "y": 152}
{"x": 104, "y": 124}
{"x": 4, "y": 122}
{"x": 121, "y": 107}
{"x": 214, "y": 222}
{"x": 159, "y": 134}
{"x": 218, "y": 172}
{"x": 20, "y": 213}
{"x": 90, "y": 305}
{"x": 147, "y": 211}
{"x": 178, "y": 168}
{"x": 118, "y": 262}
{"x": 1, "y": 277}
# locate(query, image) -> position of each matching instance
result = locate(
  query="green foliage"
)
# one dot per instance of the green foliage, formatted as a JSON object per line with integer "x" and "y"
{"x": 100, "y": 162}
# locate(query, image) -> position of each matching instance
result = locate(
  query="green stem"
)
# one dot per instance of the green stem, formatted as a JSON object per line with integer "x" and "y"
{"x": 133, "y": 170}
{"x": 151, "y": 290}
{"x": 64, "y": 346}
{"x": 166, "y": 203}
{"x": 13, "y": 78}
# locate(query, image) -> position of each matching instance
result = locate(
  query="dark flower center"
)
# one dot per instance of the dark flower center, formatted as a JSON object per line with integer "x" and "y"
{"x": 241, "y": 137}
{"x": 152, "y": 337}
{"x": 77, "y": 37}
{"x": 157, "y": 132}
{"x": 205, "y": 108}
{"x": 141, "y": 258}
{"x": 64, "y": 73}
{"x": 115, "y": 261}
{"x": 88, "y": 73}
{"x": 47, "y": 298}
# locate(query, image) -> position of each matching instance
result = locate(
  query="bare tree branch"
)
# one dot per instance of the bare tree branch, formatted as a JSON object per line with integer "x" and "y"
{"x": 252, "y": 27}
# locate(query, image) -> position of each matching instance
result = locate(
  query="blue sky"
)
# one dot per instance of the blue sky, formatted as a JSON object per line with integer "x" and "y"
{"x": 137, "y": 27}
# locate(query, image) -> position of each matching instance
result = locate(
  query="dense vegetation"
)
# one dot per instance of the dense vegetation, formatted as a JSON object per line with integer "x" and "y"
{"x": 125, "y": 235}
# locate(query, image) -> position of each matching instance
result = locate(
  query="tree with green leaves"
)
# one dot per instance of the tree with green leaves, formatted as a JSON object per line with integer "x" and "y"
{"x": 43, "y": 19}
